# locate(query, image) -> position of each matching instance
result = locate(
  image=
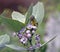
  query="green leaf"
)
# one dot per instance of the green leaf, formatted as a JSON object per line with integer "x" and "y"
{"x": 15, "y": 47}
{"x": 12, "y": 24}
{"x": 18, "y": 16}
{"x": 38, "y": 12}
{"x": 34, "y": 46}
{"x": 49, "y": 41}
{"x": 29, "y": 13}
{"x": 4, "y": 39}
{"x": 41, "y": 29}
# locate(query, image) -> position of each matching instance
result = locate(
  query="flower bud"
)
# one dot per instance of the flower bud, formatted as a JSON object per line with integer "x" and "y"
{"x": 14, "y": 34}
{"x": 37, "y": 37}
{"x": 22, "y": 30}
{"x": 28, "y": 35}
{"x": 33, "y": 31}
{"x": 28, "y": 31}
{"x": 34, "y": 27}
{"x": 30, "y": 48}
{"x": 29, "y": 26}
{"x": 38, "y": 45}
{"x": 23, "y": 40}
{"x": 20, "y": 35}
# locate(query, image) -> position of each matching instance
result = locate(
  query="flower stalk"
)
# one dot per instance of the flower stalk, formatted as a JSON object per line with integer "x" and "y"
{"x": 25, "y": 35}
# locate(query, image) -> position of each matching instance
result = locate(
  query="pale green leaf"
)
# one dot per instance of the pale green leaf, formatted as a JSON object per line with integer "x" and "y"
{"x": 49, "y": 41}
{"x": 18, "y": 16}
{"x": 14, "y": 25}
{"x": 29, "y": 13}
{"x": 38, "y": 12}
{"x": 4, "y": 39}
{"x": 15, "y": 47}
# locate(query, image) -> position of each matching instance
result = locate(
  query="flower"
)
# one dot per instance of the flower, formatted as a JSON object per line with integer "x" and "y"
{"x": 33, "y": 31}
{"x": 20, "y": 35}
{"x": 34, "y": 27}
{"x": 28, "y": 35}
{"x": 38, "y": 45}
{"x": 29, "y": 26}
{"x": 30, "y": 48}
{"x": 14, "y": 34}
{"x": 37, "y": 37}
{"x": 27, "y": 31}
{"x": 22, "y": 30}
{"x": 23, "y": 40}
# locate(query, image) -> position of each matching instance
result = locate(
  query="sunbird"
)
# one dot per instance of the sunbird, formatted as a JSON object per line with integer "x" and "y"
{"x": 33, "y": 21}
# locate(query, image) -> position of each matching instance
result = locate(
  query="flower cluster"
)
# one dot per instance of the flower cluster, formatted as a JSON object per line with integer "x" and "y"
{"x": 26, "y": 34}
